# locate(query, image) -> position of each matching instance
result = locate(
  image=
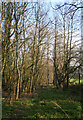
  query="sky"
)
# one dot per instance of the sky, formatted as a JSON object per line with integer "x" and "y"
{"x": 57, "y": 1}
{"x": 54, "y": 0}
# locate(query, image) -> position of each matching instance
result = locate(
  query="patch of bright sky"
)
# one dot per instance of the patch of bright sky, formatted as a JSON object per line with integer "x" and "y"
{"x": 57, "y": 1}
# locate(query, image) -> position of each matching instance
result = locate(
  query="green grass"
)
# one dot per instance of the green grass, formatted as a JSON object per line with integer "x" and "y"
{"x": 45, "y": 104}
{"x": 76, "y": 81}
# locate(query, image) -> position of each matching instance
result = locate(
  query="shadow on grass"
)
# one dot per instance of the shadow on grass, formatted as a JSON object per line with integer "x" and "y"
{"x": 44, "y": 105}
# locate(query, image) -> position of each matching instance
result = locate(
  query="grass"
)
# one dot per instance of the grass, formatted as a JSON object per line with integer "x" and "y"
{"x": 76, "y": 81}
{"x": 45, "y": 105}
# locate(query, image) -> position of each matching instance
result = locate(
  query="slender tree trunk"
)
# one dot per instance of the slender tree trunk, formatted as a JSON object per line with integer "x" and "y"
{"x": 17, "y": 67}
{"x": 18, "y": 86}
{"x": 55, "y": 58}
{"x": 79, "y": 75}
{"x": 23, "y": 86}
{"x": 67, "y": 58}
{"x": 31, "y": 79}
{"x": 64, "y": 54}
{"x": 48, "y": 61}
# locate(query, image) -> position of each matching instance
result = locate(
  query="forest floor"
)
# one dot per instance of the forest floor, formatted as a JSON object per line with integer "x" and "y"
{"x": 49, "y": 102}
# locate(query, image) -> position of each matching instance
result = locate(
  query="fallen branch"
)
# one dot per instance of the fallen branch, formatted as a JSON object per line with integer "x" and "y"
{"x": 62, "y": 110}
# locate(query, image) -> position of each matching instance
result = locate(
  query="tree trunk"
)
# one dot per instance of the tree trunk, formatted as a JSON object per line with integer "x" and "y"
{"x": 55, "y": 58}
{"x": 48, "y": 61}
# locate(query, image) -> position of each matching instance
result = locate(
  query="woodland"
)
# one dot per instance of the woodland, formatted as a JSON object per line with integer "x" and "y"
{"x": 41, "y": 59}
